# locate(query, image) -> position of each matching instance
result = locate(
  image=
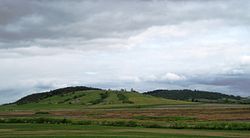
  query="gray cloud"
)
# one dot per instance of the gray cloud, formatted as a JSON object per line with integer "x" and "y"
{"x": 24, "y": 21}
{"x": 235, "y": 83}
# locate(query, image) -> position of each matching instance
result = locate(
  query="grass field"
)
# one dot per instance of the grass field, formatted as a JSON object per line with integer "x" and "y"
{"x": 98, "y": 113}
{"x": 173, "y": 121}
{"x": 77, "y": 131}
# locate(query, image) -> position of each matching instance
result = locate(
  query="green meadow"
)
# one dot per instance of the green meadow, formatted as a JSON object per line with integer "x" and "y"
{"x": 79, "y": 131}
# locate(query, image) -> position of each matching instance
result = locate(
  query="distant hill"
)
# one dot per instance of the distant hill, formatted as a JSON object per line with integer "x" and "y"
{"x": 81, "y": 97}
{"x": 62, "y": 91}
{"x": 194, "y": 95}
{"x": 87, "y": 97}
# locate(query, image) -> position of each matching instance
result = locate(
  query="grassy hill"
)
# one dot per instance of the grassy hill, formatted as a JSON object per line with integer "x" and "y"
{"x": 197, "y": 96}
{"x": 62, "y": 91}
{"x": 85, "y": 97}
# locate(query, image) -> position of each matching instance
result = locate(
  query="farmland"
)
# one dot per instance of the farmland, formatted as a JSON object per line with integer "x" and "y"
{"x": 177, "y": 121}
{"x": 77, "y": 131}
{"x": 102, "y": 113}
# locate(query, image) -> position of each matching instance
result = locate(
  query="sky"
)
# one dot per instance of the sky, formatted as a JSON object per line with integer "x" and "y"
{"x": 140, "y": 44}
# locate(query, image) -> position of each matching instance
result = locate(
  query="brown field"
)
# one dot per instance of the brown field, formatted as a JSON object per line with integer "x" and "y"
{"x": 203, "y": 113}
{"x": 153, "y": 121}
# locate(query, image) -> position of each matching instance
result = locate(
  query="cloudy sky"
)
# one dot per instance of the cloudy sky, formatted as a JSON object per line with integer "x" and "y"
{"x": 140, "y": 44}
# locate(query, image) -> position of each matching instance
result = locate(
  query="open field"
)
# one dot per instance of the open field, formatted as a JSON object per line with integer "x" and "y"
{"x": 205, "y": 112}
{"x": 77, "y": 131}
{"x": 174, "y": 121}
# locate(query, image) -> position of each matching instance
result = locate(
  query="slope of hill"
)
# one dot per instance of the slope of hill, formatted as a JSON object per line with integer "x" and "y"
{"x": 40, "y": 96}
{"x": 85, "y": 97}
{"x": 190, "y": 95}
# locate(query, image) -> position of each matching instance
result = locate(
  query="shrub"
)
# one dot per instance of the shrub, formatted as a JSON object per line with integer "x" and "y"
{"x": 36, "y": 120}
{"x": 83, "y": 122}
{"x": 176, "y": 125}
{"x": 42, "y": 113}
{"x": 123, "y": 98}
{"x": 103, "y": 96}
{"x": 119, "y": 123}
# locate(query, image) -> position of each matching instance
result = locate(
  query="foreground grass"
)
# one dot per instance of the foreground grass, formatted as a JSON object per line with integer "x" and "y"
{"x": 77, "y": 131}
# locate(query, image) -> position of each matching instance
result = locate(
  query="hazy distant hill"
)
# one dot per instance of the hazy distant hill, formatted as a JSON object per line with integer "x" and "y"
{"x": 194, "y": 95}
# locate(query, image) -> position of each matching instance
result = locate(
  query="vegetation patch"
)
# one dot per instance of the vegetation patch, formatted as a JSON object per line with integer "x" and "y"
{"x": 34, "y": 98}
{"x": 133, "y": 123}
{"x": 39, "y": 120}
{"x": 72, "y": 98}
{"x": 123, "y": 98}
{"x": 165, "y": 118}
{"x": 42, "y": 113}
{"x": 101, "y": 99}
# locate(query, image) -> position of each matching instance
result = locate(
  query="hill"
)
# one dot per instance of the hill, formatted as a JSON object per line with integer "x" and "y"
{"x": 86, "y": 97}
{"x": 194, "y": 95}
{"x": 62, "y": 91}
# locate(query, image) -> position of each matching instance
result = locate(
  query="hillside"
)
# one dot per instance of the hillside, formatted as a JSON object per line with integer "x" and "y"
{"x": 196, "y": 95}
{"x": 62, "y": 91}
{"x": 85, "y": 97}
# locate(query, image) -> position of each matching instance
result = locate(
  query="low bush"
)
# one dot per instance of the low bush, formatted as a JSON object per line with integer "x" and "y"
{"x": 165, "y": 118}
{"x": 36, "y": 120}
{"x": 123, "y": 98}
{"x": 83, "y": 122}
{"x": 131, "y": 123}
{"x": 222, "y": 125}
{"x": 42, "y": 113}
{"x": 101, "y": 99}
{"x": 119, "y": 123}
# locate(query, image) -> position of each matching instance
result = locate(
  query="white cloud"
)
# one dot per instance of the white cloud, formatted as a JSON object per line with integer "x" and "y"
{"x": 172, "y": 77}
{"x": 245, "y": 60}
{"x": 91, "y": 73}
